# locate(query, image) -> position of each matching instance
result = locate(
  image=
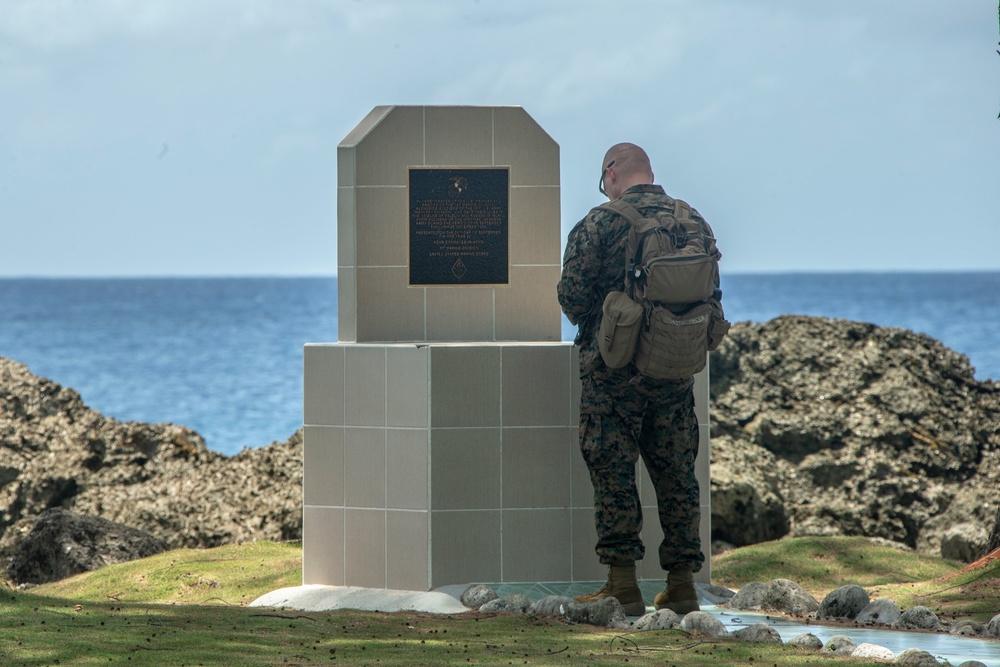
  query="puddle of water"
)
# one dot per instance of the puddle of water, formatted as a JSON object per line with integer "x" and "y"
{"x": 955, "y": 649}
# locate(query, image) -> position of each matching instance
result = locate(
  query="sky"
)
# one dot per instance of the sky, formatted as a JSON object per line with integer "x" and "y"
{"x": 198, "y": 137}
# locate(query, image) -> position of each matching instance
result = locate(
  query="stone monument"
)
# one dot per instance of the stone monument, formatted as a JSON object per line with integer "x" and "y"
{"x": 441, "y": 429}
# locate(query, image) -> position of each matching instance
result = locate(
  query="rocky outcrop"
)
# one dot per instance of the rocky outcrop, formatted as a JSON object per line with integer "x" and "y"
{"x": 63, "y": 544}
{"x": 964, "y": 542}
{"x": 832, "y": 427}
{"x": 55, "y": 452}
{"x": 819, "y": 426}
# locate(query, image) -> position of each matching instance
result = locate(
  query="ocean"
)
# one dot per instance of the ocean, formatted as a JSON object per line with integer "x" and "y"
{"x": 224, "y": 355}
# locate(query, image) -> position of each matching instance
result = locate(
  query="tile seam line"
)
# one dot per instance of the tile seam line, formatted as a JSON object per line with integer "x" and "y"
{"x": 385, "y": 465}
{"x": 500, "y": 471}
{"x": 429, "y": 498}
{"x": 343, "y": 467}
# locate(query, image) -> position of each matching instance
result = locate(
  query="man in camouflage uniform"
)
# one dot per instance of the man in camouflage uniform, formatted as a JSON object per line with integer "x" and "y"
{"x": 623, "y": 417}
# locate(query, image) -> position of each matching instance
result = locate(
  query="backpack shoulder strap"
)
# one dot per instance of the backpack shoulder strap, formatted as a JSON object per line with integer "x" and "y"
{"x": 682, "y": 210}
{"x": 632, "y": 214}
{"x": 624, "y": 209}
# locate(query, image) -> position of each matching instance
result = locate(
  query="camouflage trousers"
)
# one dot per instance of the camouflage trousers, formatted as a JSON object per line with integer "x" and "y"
{"x": 621, "y": 421}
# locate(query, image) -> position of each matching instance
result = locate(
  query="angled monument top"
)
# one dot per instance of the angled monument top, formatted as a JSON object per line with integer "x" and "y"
{"x": 448, "y": 226}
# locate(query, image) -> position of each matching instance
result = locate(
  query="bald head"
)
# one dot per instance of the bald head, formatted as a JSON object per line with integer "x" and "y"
{"x": 625, "y": 165}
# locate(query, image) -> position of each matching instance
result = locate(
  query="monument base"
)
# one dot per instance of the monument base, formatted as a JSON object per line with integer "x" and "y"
{"x": 429, "y": 464}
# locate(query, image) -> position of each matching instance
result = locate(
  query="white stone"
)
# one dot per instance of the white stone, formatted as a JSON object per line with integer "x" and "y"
{"x": 702, "y": 623}
{"x": 662, "y": 619}
{"x": 873, "y": 651}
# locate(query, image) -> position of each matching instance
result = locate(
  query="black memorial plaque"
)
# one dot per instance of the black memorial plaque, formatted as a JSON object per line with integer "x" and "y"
{"x": 459, "y": 222}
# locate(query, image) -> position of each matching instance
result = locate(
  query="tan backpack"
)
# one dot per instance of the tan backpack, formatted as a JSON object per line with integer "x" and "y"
{"x": 666, "y": 320}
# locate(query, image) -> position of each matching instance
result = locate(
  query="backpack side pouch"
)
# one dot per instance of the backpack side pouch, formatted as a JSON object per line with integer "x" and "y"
{"x": 672, "y": 346}
{"x": 619, "y": 332}
{"x": 717, "y": 330}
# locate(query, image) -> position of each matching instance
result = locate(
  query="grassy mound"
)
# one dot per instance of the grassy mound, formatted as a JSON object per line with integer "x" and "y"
{"x": 821, "y": 564}
{"x": 229, "y": 575}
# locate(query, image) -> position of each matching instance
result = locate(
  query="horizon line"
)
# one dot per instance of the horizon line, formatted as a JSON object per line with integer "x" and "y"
{"x": 313, "y": 276}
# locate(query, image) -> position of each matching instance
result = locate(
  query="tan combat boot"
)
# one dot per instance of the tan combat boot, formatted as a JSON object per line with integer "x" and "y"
{"x": 680, "y": 595}
{"x": 621, "y": 585}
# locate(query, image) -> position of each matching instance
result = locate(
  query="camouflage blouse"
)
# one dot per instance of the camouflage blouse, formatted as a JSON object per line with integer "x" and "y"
{"x": 594, "y": 264}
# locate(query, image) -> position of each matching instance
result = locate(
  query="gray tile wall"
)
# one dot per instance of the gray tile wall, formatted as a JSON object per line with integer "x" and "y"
{"x": 452, "y": 463}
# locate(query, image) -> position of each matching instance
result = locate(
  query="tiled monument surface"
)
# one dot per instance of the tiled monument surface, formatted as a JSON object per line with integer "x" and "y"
{"x": 375, "y": 300}
{"x": 441, "y": 429}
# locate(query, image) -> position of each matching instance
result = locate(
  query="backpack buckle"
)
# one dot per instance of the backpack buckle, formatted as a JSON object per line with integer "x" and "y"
{"x": 679, "y": 237}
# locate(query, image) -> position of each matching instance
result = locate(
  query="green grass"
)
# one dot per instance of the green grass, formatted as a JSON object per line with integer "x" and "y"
{"x": 821, "y": 564}
{"x": 42, "y": 631}
{"x": 229, "y": 575}
{"x": 974, "y": 594}
{"x": 187, "y": 607}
